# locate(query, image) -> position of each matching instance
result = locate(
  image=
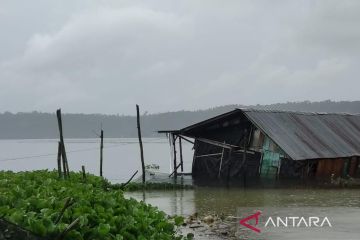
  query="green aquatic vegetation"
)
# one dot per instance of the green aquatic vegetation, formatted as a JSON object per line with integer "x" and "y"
{"x": 35, "y": 200}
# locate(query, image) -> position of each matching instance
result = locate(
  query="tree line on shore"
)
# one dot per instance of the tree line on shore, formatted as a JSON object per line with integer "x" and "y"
{"x": 38, "y": 125}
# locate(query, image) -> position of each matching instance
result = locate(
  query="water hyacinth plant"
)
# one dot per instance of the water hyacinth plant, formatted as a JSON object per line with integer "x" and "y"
{"x": 37, "y": 202}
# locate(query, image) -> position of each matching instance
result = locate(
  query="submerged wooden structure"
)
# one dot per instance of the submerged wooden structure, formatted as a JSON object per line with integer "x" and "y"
{"x": 248, "y": 143}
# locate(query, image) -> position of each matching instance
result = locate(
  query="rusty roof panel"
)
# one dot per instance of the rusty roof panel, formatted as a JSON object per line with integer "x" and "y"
{"x": 310, "y": 135}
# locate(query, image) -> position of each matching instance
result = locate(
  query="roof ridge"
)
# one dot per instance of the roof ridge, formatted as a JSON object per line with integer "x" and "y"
{"x": 297, "y": 112}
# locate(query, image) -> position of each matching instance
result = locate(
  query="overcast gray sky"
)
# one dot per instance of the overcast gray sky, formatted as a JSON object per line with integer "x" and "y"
{"x": 105, "y": 56}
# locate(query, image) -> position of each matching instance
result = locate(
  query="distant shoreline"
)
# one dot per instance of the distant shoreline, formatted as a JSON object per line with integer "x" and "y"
{"x": 37, "y": 125}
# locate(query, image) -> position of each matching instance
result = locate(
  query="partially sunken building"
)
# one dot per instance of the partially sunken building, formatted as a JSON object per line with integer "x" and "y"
{"x": 270, "y": 144}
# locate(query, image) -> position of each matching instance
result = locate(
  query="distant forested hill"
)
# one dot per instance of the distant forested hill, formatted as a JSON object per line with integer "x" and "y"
{"x": 44, "y": 125}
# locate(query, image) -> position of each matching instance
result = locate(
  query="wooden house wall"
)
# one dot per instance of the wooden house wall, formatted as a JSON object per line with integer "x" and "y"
{"x": 208, "y": 167}
{"x": 354, "y": 167}
{"x": 340, "y": 167}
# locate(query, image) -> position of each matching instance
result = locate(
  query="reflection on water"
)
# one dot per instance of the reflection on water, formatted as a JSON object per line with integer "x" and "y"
{"x": 121, "y": 159}
{"x": 342, "y": 206}
{"x": 207, "y": 200}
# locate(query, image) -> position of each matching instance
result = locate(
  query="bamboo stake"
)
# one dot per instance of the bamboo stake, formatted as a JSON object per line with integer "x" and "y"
{"x": 140, "y": 143}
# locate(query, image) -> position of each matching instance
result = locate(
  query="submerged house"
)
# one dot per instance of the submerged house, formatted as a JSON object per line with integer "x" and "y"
{"x": 248, "y": 143}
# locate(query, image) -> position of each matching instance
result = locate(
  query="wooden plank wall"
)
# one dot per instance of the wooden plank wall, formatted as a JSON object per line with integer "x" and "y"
{"x": 353, "y": 166}
{"x": 326, "y": 167}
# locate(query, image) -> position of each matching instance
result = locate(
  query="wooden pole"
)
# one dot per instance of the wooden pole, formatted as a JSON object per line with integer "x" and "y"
{"x": 101, "y": 152}
{"x": 140, "y": 143}
{"x": 181, "y": 155}
{"x": 64, "y": 164}
{"x": 83, "y": 172}
{"x": 59, "y": 159}
{"x": 175, "y": 161}
{"x": 63, "y": 151}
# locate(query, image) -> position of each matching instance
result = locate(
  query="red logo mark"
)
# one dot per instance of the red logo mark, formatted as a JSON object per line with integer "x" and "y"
{"x": 245, "y": 220}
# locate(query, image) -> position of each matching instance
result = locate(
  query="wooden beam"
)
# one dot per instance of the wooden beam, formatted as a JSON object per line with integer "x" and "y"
{"x": 247, "y": 151}
{"x": 216, "y": 143}
{"x": 168, "y": 131}
{"x": 175, "y": 170}
{"x": 208, "y": 155}
{"x": 125, "y": 184}
{"x": 184, "y": 138}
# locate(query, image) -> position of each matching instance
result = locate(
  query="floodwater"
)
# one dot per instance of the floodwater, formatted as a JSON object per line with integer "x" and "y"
{"x": 341, "y": 206}
{"x": 122, "y": 159}
{"x": 121, "y": 155}
{"x": 223, "y": 201}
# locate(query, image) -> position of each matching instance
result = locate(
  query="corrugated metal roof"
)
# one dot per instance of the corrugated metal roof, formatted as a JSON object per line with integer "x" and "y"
{"x": 310, "y": 135}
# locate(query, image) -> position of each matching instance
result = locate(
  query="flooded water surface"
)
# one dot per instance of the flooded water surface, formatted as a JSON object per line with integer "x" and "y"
{"x": 121, "y": 160}
{"x": 222, "y": 201}
{"x": 121, "y": 155}
{"x": 341, "y": 206}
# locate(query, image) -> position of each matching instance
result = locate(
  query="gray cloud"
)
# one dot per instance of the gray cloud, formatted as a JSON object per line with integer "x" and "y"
{"x": 93, "y": 56}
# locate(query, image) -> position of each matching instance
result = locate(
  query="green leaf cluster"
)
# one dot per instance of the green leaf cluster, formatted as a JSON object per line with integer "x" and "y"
{"x": 34, "y": 201}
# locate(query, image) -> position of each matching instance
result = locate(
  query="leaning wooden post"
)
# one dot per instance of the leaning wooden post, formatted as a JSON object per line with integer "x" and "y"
{"x": 140, "y": 143}
{"x": 64, "y": 164}
{"x": 101, "y": 152}
{"x": 63, "y": 151}
{"x": 59, "y": 159}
